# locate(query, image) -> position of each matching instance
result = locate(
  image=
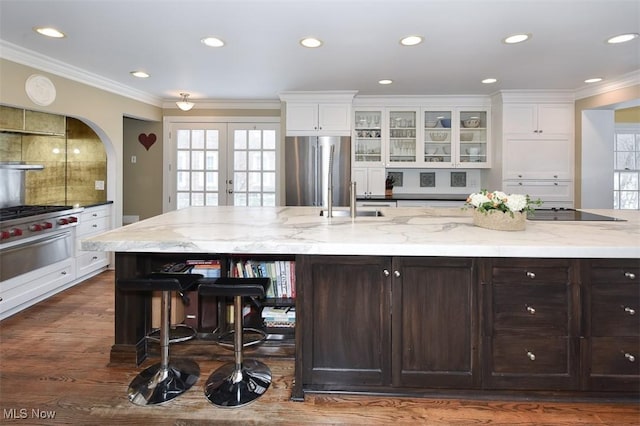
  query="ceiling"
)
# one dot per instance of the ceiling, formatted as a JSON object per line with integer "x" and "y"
{"x": 462, "y": 44}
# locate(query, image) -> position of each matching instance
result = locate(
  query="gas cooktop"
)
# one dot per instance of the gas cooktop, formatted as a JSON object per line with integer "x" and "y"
{"x": 17, "y": 212}
{"x": 570, "y": 215}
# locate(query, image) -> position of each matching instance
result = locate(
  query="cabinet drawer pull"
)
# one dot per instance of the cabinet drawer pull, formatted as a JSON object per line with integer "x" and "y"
{"x": 63, "y": 273}
{"x": 531, "y": 356}
{"x": 629, "y": 310}
{"x": 630, "y": 357}
{"x": 531, "y": 275}
{"x": 531, "y": 310}
{"x": 396, "y": 274}
{"x": 386, "y": 272}
{"x": 630, "y": 275}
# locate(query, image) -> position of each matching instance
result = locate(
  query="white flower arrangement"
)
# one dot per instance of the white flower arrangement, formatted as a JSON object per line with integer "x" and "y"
{"x": 485, "y": 202}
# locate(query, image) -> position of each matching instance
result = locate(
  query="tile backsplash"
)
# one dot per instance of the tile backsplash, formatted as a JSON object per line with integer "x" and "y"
{"x": 440, "y": 181}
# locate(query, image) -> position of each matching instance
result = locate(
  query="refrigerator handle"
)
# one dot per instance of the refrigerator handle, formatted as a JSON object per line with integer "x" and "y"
{"x": 316, "y": 175}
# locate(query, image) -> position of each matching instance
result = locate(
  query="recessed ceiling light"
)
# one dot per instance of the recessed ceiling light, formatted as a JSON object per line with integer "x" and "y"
{"x": 49, "y": 32}
{"x": 621, "y": 38}
{"x": 489, "y": 80}
{"x": 139, "y": 74}
{"x": 593, "y": 80}
{"x": 411, "y": 40}
{"x": 385, "y": 81}
{"x": 212, "y": 42}
{"x": 311, "y": 42}
{"x": 517, "y": 38}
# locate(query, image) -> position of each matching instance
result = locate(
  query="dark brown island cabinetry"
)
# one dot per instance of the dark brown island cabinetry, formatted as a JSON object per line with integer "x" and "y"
{"x": 386, "y": 323}
{"x": 611, "y": 347}
{"x": 531, "y": 330}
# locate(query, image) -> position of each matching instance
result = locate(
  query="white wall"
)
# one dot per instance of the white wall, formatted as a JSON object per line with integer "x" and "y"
{"x": 598, "y": 127}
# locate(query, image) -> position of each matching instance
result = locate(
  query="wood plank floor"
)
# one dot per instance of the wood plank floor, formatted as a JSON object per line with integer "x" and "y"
{"x": 54, "y": 360}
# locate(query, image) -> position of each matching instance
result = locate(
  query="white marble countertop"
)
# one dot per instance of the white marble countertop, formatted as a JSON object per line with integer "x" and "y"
{"x": 400, "y": 232}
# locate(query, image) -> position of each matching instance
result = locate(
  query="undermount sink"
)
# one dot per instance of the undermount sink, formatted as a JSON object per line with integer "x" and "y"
{"x": 347, "y": 213}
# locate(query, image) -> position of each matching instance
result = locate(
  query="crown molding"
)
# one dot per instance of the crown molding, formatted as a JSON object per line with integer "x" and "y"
{"x": 14, "y": 53}
{"x": 626, "y": 80}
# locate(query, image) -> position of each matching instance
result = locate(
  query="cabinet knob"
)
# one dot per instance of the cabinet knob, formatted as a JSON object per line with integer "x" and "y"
{"x": 531, "y": 356}
{"x": 629, "y": 357}
{"x": 63, "y": 273}
{"x": 531, "y": 275}
{"x": 629, "y": 310}
{"x": 630, "y": 275}
{"x": 539, "y": 131}
{"x": 519, "y": 176}
{"x": 386, "y": 272}
{"x": 535, "y": 131}
{"x": 396, "y": 274}
{"x": 531, "y": 310}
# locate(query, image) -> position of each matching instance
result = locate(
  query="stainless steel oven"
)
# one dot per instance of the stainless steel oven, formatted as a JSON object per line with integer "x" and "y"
{"x": 32, "y": 237}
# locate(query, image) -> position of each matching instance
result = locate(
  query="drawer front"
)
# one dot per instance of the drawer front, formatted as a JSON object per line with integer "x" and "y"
{"x": 615, "y": 310}
{"x": 531, "y": 308}
{"x": 615, "y": 356}
{"x": 620, "y": 272}
{"x": 530, "y": 355}
{"x": 90, "y": 261}
{"x": 545, "y": 271}
{"x": 90, "y": 227}
{"x": 96, "y": 212}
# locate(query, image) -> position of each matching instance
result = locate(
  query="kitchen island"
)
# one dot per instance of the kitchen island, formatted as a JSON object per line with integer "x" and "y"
{"x": 418, "y": 299}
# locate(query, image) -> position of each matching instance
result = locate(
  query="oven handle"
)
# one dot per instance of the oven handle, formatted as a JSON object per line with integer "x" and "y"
{"x": 38, "y": 242}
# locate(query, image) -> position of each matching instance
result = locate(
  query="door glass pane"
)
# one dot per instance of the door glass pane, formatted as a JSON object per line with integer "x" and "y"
{"x": 197, "y": 139}
{"x": 197, "y": 165}
{"x": 626, "y": 157}
{"x": 254, "y": 152}
{"x": 240, "y": 160}
{"x": 255, "y": 160}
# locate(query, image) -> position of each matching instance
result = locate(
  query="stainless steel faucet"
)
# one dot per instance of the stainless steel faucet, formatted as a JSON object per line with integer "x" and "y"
{"x": 352, "y": 203}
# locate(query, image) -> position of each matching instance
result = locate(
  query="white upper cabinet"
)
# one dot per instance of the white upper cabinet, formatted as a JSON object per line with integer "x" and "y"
{"x": 318, "y": 113}
{"x": 538, "y": 120}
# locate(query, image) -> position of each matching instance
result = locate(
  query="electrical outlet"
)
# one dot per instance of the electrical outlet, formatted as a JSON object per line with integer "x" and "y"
{"x": 133, "y": 159}
{"x": 99, "y": 185}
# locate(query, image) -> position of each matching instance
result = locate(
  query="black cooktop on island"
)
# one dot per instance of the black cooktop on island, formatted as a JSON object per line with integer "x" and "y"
{"x": 570, "y": 215}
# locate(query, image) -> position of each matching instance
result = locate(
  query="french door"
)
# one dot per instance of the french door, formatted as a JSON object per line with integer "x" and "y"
{"x": 218, "y": 164}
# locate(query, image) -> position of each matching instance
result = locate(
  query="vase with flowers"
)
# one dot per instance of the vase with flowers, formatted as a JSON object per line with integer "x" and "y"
{"x": 499, "y": 211}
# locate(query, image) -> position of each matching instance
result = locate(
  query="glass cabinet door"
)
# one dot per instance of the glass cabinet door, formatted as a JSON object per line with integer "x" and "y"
{"x": 402, "y": 137}
{"x": 368, "y": 137}
{"x": 473, "y": 137}
{"x": 437, "y": 138}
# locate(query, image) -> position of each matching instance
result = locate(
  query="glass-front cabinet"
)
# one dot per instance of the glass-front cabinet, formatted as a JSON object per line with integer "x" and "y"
{"x": 473, "y": 137}
{"x": 403, "y": 142}
{"x": 455, "y": 138}
{"x": 438, "y": 138}
{"x": 368, "y": 137}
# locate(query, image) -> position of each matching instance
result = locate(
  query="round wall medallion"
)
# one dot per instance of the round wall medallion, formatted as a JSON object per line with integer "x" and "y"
{"x": 40, "y": 90}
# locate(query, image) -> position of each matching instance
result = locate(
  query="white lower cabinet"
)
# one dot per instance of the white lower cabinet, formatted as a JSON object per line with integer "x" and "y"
{"x": 27, "y": 289}
{"x": 554, "y": 194}
{"x": 369, "y": 180}
{"x": 93, "y": 220}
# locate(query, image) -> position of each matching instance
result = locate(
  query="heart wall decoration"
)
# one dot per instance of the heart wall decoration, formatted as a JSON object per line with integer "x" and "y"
{"x": 147, "y": 140}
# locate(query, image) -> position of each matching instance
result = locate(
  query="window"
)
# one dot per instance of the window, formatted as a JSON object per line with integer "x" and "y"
{"x": 626, "y": 175}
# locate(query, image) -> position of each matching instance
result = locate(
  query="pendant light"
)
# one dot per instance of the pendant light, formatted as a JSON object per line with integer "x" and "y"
{"x": 184, "y": 104}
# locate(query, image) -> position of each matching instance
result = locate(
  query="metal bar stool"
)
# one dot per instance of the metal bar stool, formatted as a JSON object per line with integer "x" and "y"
{"x": 167, "y": 379}
{"x": 237, "y": 383}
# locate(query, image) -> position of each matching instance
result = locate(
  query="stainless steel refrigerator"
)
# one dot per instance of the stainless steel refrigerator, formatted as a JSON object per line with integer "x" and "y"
{"x": 307, "y": 165}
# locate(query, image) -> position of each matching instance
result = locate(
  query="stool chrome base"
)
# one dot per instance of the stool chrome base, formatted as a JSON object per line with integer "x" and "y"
{"x": 232, "y": 387}
{"x": 156, "y": 385}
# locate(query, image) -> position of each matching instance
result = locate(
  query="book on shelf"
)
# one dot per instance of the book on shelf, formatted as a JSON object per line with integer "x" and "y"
{"x": 208, "y": 268}
{"x": 281, "y": 273}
